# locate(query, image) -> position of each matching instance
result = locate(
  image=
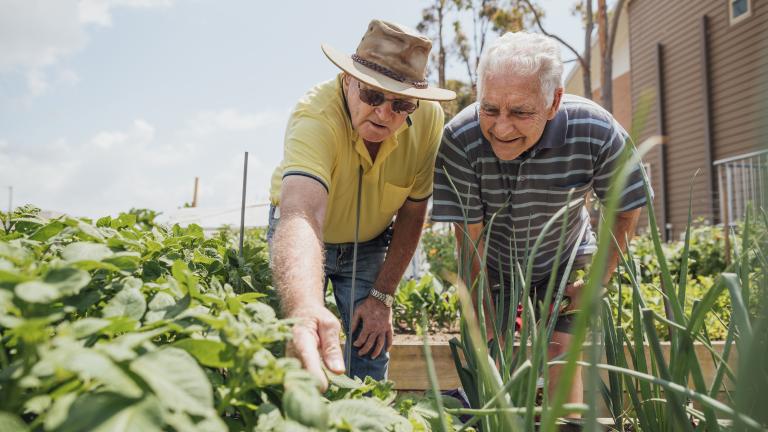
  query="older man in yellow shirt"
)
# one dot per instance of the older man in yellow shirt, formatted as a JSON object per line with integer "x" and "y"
{"x": 359, "y": 151}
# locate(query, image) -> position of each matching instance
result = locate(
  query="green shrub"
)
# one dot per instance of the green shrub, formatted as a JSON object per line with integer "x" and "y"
{"x": 127, "y": 324}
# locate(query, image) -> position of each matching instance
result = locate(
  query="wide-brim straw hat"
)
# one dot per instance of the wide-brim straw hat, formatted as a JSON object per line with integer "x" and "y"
{"x": 392, "y": 58}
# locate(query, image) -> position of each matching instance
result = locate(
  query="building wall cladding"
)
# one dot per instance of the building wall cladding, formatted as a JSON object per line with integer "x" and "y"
{"x": 737, "y": 55}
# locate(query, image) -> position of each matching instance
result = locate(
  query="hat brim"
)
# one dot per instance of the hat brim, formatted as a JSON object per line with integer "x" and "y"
{"x": 381, "y": 81}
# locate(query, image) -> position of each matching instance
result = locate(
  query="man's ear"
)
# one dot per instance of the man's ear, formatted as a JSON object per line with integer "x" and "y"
{"x": 558, "y": 96}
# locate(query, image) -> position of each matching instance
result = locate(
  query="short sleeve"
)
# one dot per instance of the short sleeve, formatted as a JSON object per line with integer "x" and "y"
{"x": 607, "y": 164}
{"x": 423, "y": 184}
{"x": 453, "y": 169}
{"x": 310, "y": 148}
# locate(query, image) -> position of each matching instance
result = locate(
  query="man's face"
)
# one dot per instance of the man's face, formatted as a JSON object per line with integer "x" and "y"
{"x": 374, "y": 123}
{"x": 513, "y": 113}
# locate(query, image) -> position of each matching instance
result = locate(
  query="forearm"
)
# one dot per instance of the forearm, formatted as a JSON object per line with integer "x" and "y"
{"x": 623, "y": 231}
{"x": 297, "y": 263}
{"x": 405, "y": 238}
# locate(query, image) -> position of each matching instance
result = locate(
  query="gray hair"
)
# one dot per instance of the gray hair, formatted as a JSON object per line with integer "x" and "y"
{"x": 524, "y": 54}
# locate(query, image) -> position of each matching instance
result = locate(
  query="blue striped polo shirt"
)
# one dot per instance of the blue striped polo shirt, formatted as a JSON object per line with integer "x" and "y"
{"x": 578, "y": 150}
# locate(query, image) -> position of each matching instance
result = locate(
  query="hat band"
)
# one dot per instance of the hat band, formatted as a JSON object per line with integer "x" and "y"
{"x": 388, "y": 72}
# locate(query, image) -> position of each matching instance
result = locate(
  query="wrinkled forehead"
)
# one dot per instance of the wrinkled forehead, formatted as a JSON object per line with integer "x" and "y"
{"x": 509, "y": 87}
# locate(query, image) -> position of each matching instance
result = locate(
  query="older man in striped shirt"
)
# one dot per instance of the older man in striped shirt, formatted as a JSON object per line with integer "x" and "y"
{"x": 517, "y": 153}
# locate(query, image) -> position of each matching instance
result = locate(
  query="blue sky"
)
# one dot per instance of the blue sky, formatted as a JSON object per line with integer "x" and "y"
{"x": 111, "y": 104}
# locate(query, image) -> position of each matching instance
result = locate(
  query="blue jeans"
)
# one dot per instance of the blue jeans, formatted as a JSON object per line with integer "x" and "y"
{"x": 338, "y": 270}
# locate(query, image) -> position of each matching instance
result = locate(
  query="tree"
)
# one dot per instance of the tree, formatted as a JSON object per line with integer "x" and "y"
{"x": 432, "y": 17}
{"x": 607, "y": 41}
{"x": 497, "y": 16}
{"x": 585, "y": 60}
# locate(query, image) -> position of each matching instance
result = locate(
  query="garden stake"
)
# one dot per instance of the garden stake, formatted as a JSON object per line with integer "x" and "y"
{"x": 242, "y": 206}
{"x": 348, "y": 345}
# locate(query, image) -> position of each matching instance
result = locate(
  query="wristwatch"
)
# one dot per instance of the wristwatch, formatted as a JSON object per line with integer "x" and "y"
{"x": 384, "y": 298}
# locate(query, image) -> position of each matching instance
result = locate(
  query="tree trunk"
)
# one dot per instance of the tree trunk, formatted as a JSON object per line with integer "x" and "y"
{"x": 586, "y": 63}
{"x": 440, "y": 6}
{"x": 606, "y": 66}
{"x": 608, "y": 58}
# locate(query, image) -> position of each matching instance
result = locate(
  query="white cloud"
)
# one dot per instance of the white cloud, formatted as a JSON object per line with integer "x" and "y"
{"x": 143, "y": 165}
{"x": 141, "y": 134}
{"x": 99, "y": 11}
{"x": 233, "y": 120}
{"x": 38, "y": 34}
{"x": 36, "y": 82}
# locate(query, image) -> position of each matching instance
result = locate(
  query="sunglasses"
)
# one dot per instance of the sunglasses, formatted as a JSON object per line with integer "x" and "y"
{"x": 376, "y": 98}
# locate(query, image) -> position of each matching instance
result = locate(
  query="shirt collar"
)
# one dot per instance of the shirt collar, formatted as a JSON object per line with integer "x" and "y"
{"x": 555, "y": 131}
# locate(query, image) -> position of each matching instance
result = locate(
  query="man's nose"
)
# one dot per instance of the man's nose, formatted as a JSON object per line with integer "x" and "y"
{"x": 505, "y": 128}
{"x": 384, "y": 111}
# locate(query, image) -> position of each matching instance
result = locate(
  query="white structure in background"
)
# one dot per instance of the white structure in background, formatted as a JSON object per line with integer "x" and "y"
{"x": 213, "y": 218}
{"x": 257, "y": 215}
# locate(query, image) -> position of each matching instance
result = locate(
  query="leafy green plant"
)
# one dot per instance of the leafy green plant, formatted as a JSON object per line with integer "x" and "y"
{"x": 124, "y": 324}
{"x": 651, "y": 394}
{"x": 426, "y": 297}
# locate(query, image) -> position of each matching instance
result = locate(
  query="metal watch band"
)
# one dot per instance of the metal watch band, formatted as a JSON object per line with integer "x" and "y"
{"x": 384, "y": 298}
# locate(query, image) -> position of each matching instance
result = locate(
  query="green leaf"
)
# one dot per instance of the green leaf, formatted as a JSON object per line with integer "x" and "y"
{"x": 59, "y": 411}
{"x": 36, "y": 405}
{"x": 15, "y": 253}
{"x": 302, "y": 403}
{"x": 124, "y": 220}
{"x": 128, "y": 303}
{"x": 87, "y": 326}
{"x": 127, "y": 261}
{"x": 10, "y": 423}
{"x": 69, "y": 281}
{"x": 85, "y": 251}
{"x": 109, "y": 412}
{"x": 164, "y": 306}
{"x": 57, "y": 283}
{"x": 176, "y": 379}
{"x": 48, "y": 231}
{"x": 88, "y": 231}
{"x": 90, "y": 364}
{"x": 208, "y": 352}
{"x": 367, "y": 415}
{"x": 36, "y": 292}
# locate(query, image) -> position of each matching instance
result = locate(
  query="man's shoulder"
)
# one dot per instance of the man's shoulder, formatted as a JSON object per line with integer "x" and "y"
{"x": 586, "y": 116}
{"x": 429, "y": 115}
{"x": 465, "y": 126}
{"x": 320, "y": 107}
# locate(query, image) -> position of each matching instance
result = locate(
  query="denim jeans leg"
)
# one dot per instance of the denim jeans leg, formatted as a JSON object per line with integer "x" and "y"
{"x": 370, "y": 256}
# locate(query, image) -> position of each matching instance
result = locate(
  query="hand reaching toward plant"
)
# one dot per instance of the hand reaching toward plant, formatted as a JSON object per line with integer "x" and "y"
{"x": 316, "y": 342}
{"x": 376, "y": 336}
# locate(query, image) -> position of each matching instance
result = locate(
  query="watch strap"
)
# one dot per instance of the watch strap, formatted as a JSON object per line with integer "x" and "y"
{"x": 387, "y": 299}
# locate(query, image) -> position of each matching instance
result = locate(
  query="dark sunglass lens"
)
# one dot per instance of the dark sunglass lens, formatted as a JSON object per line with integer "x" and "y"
{"x": 399, "y": 105}
{"x": 372, "y": 97}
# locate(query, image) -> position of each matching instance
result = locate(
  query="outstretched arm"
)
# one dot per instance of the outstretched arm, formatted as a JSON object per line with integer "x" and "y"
{"x": 297, "y": 266}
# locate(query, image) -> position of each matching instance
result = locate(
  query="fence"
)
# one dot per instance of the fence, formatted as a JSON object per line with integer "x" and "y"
{"x": 741, "y": 180}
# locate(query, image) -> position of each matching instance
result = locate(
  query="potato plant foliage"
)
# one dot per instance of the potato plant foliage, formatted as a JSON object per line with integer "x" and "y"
{"x": 126, "y": 325}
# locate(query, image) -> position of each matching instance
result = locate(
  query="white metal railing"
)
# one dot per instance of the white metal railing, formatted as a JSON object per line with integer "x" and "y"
{"x": 741, "y": 180}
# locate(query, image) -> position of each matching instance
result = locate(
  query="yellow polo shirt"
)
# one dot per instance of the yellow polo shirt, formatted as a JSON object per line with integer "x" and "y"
{"x": 320, "y": 143}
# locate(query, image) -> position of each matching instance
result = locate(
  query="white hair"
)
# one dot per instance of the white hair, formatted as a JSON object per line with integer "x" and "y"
{"x": 524, "y": 54}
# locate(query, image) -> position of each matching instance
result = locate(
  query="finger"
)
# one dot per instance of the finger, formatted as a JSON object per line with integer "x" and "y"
{"x": 362, "y": 338}
{"x": 356, "y": 318}
{"x": 381, "y": 342}
{"x": 372, "y": 338}
{"x": 329, "y": 345}
{"x": 305, "y": 348}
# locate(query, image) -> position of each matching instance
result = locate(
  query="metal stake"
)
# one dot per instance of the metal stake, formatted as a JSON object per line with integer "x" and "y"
{"x": 242, "y": 207}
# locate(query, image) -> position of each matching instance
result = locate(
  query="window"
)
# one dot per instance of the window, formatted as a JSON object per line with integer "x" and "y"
{"x": 739, "y": 10}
